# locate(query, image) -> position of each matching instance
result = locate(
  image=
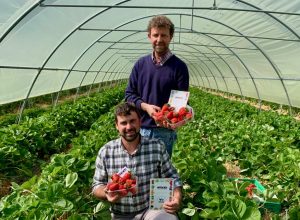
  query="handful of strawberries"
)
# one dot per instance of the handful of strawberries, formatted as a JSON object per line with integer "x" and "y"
{"x": 122, "y": 184}
{"x": 168, "y": 116}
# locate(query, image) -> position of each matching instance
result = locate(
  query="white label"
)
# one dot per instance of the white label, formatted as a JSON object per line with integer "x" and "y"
{"x": 178, "y": 99}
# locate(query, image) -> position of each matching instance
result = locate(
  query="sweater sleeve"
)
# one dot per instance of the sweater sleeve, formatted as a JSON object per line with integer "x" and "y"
{"x": 183, "y": 78}
{"x": 131, "y": 92}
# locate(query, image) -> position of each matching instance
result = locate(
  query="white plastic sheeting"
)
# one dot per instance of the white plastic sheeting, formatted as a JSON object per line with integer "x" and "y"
{"x": 250, "y": 48}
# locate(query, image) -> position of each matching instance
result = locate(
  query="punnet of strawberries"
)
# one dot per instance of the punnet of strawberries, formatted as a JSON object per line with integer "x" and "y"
{"x": 168, "y": 116}
{"x": 122, "y": 184}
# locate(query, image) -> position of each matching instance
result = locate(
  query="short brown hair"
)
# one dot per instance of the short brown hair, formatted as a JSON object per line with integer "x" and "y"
{"x": 124, "y": 109}
{"x": 161, "y": 21}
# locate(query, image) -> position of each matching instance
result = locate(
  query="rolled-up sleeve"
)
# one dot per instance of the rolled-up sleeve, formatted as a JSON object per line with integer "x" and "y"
{"x": 168, "y": 170}
{"x": 100, "y": 175}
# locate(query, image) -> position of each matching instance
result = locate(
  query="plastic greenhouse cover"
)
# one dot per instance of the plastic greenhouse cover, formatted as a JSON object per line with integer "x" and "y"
{"x": 250, "y": 48}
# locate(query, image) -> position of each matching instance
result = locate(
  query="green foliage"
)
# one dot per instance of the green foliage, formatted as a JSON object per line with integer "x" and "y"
{"x": 23, "y": 145}
{"x": 265, "y": 145}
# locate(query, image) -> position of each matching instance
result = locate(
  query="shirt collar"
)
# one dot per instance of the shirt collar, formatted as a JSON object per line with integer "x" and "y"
{"x": 164, "y": 58}
{"x": 124, "y": 149}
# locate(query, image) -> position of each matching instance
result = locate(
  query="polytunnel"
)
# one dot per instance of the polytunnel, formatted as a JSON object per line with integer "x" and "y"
{"x": 248, "y": 48}
{"x": 64, "y": 142}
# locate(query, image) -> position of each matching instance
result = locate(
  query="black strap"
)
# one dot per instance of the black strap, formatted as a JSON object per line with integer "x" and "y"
{"x": 159, "y": 170}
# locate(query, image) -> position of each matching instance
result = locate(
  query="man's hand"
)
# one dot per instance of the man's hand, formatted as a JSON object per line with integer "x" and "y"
{"x": 112, "y": 196}
{"x": 102, "y": 193}
{"x": 150, "y": 109}
{"x": 172, "y": 206}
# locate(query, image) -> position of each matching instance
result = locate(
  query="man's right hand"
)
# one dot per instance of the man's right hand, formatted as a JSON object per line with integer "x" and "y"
{"x": 150, "y": 109}
{"x": 112, "y": 196}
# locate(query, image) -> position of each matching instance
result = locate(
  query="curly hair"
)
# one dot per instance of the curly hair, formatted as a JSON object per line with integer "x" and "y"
{"x": 125, "y": 109}
{"x": 161, "y": 21}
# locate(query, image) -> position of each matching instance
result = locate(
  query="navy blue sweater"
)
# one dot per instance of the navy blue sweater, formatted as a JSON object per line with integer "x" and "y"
{"x": 152, "y": 84}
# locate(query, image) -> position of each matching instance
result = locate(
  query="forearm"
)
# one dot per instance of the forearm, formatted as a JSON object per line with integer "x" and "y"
{"x": 177, "y": 195}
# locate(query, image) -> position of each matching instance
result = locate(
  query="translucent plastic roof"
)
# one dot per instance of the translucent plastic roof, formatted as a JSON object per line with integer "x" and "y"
{"x": 250, "y": 48}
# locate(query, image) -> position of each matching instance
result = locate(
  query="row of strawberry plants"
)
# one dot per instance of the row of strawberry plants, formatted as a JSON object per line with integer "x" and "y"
{"x": 264, "y": 145}
{"x": 25, "y": 144}
{"x": 63, "y": 189}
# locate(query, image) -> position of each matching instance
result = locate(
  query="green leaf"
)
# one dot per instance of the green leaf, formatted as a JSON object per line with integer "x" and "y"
{"x": 101, "y": 206}
{"x": 77, "y": 217}
{"x": 64, "y": 204}
{"x": 214, "y": 186}
{"x": 252, "y": 214}
{"x": 70, "y": 179}
{"x": 238, "y": 207}
{"x": 188, "y": 211}
{"x": 28, "y": 184}
{"x": 213, "y": 203}
{"x": 229, "y": 216}
{"x": 195, "y": 217}
{"x": 210, "y": 213}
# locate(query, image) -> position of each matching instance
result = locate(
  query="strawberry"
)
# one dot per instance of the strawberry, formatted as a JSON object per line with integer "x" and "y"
{"x": 122, "y": 190}
{"x": 175, "y": 115}
{"x": 183, "y": 111}
{"x": 133, "y": 181}
{"x": 165, "y": 107}
{"x": 115, "y": 177}
{"x": 133, "y": 189}
{"x": 128, "y": 183}
{"x": 127, "y": 176}
{"x": 170, "y": 115}
{"x": 188, "y": 115}
{"x": 250, "y": 190}
{"x": 113, "y": 186}
{"x": 174, "y": 120}
{"x": 122, "y": 181}
{"x": 158, "y": 116}
{"x": 180, "y": 117}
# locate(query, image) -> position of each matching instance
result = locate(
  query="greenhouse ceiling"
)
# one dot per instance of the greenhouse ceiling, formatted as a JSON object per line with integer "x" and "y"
{"x": 249, "y": 48}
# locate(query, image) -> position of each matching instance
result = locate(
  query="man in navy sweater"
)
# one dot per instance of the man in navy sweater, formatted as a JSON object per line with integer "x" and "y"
{"x": 154, "y": 76}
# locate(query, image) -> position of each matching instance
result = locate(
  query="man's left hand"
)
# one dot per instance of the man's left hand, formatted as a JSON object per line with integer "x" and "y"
{"x": 172, "y": 206}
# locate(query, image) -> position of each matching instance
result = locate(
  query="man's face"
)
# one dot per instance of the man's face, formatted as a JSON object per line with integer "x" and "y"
{"x": 160, "y": 39}
{"x": 129, "y": 126}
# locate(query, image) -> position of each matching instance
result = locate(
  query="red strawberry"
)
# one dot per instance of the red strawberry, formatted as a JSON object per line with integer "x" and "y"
{"x": 113, "y": 186}
{"x": 122, "y": 190}
{"x": 133, "y": 181}
{"x": 174, "y": 120}
{"x": 115, "y": 177}
{"x": 180, "y": 118}
{"x": 122, "y": 180}
{"x": 127, "y": 176}
{"x": 250, "y": 190}
{"x": 183, "y": 111}
{"x": 165, "y": 107}
{"x": 133, "y": 189}
{"x": 128, "y": 183}
{"x": 170, "y": 115}
{"x": 175, "y": 115}
{"x": 158, "y": 116}
{"x": 188, "y": 115}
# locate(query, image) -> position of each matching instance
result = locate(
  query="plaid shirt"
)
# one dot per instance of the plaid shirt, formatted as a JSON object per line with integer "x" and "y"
{"x": 144, "y": 163}
{"x": 164, "y": 58}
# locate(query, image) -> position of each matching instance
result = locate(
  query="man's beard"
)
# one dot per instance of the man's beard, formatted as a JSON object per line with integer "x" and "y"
{"x": 132, "y": 137}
